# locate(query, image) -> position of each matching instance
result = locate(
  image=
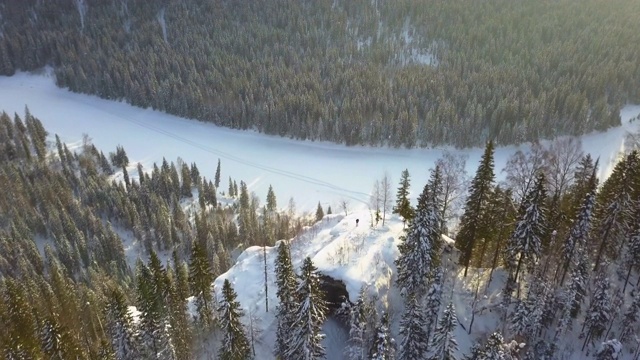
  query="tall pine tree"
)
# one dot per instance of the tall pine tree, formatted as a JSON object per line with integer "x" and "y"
{"x": 356, "y": 347}
{"x": 200, "y": 279}
{"x": 526, "y": 241}
{"x": 403, "y": 205}
{"x": 120, "y": 327}
{"x": 235, "y": 345}
{"x": 471, "y": 222}
{"x": 286, "y": 283}
{"x": 383, "y": 347}
{"x": 419, "y": 252}
{"x": 308, "y": 317}
{"x": 443, "y": 345}
{"x": 413, "y": 326}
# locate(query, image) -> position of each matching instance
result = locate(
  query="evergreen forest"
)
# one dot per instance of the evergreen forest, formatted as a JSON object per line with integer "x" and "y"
{"x": 402, "y": 73}
{"x": 568, "y": 243}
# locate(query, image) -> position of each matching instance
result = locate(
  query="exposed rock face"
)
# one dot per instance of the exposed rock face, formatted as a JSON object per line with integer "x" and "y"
{"x": 335, "y": 292}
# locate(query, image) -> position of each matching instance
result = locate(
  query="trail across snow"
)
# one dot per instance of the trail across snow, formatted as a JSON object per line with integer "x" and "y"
{"x": 307, "y": 171}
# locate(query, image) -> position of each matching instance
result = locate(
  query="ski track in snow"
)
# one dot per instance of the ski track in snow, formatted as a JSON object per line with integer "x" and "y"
{"x": 303, "y": 170}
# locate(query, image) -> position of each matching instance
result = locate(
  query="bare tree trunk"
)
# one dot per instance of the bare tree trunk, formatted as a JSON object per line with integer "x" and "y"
{"x": 475, "y": 301}
{"x": 266, "y": 284}
{"x": 386, "y": 195}
{"x": 626, "y": 280}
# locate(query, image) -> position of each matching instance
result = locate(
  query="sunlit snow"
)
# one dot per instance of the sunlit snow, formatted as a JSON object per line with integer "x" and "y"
{"x": 307, "y": 171}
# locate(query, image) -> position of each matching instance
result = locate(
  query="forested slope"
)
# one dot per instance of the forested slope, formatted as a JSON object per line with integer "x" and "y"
{"x": 403, "y": 73}
{"x": 74, "y": 244}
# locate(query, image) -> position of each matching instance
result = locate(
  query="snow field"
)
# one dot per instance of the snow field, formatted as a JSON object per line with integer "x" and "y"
{"x": 307, "y": 171}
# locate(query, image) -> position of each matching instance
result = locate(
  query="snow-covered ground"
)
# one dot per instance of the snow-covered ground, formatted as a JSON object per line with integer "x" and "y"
{"x": 357, "y": 255}
{"x": 307, "y": 171}
{"x": 364, "y": 256}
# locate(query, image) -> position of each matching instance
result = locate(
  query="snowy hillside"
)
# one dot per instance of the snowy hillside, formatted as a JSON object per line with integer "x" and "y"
{"x": 364, "y": 256}
{"x": 357, "y": 255}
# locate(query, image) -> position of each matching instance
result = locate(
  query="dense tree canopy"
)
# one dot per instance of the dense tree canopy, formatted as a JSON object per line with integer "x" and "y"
{"x": 402, "y": 73}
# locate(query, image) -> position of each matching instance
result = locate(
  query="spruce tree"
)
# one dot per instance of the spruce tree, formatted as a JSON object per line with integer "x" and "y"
{"x": 155, "y": 339}
{"x": 200, "y": 279}
{"x": 613, "y": 209}
{"x": 120, "y": 327}
{"x": 579, "y": 233}
{"x": 319, "y": 212}
{"x": 471, "y": 223}
{"x": 235, "y": 345}
{"x": 632, "y": 255}
{"x": 185, "y": 188}
{"x": 413, "y": 327}
{"x": 526, "y": 241}
{"x": 609, "y": 350}
{"x": 631, "y": 316}
{"x": 419, "y": 253}
{"x": 493, "y": 349}
{"x": 383, "y": 347}
{"x": 217, "y": 176}
{"x": 600, "y": 311}
{"x": 21, "y": 329}
{"x": 356, "y": 346}
{"x": 308, "y": 317}
{"x": 403, "y": 205}
{"x": 272, "y": 205}
{"x": 433, "y": 301}
{"x": 57, "y": 342}
{"x": 476, "y": 353}
{"x": 443, "y": 345}
{"x": 180, "y": 330}
{"x": 286, "y": 283}
{"x": 520, "y": 318}
{"x": 232, "y": 192}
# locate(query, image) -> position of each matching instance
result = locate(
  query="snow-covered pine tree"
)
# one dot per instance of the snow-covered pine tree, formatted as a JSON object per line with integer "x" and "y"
{"x": 443, "y": 345}
{"x": 573, "y": 295}
{"x": 580, "y": 229}
{"x": 476, "y": 353}
{"x": 565, "y": 320}
{"x": 536, "y": 302}
{"x": 609, "y": 350}
{"x": 580, "y": 281}
{"x": 286, "y": 283}
{"x": 632, "y": 255}
{"x": 155, "y": 340}
{"x": 421, "y": 242}
{"x": 493, "y": 349}
{"x": 216, "y": 178}
{"x": 527, "y": 319}
{"x": 235, "y": 345}
{"x": 413, "y": 327}
{"x": 526, "y": 241}
{"x": 599, "y": 312}
{"x": 403, "y": 205}
{"x": 356, "y": 347}
{"x": 308, "y": 317}
{"x": 631, "y": 316}
{"x": 120, "y": 327}
{"x": 471, "y": 221}
{"x": 520, "y": 318}
{"x": 180, "y": 329}
{"x": 613, "y": 207}
{"x": 57, "y": 343}
{"x": 200, "y": 279}
{"x": 433, "y": 301}
{"x": 383, "y": 347}
{"x": 319, "y": 212}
